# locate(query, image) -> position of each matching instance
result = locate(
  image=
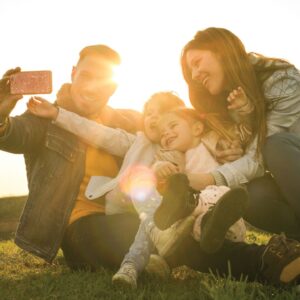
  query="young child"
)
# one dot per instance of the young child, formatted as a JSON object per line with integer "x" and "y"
{"x": 185, "y": 130}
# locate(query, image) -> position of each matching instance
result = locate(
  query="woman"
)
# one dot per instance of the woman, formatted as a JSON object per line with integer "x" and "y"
{"x": 217, "y": 67}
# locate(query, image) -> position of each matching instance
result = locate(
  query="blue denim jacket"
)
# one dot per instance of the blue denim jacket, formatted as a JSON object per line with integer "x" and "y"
{"x": 281, "y": 89}
{"x": 55, "y": 167}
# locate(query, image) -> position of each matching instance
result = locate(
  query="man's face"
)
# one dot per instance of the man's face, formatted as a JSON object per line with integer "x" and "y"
{"x": 92, "y": 85}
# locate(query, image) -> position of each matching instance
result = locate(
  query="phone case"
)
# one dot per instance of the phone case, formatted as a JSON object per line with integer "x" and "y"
{"x": 31, "y": 82}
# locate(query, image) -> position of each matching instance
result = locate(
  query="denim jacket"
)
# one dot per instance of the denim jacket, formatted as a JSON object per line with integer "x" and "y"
{"x": 281, "y": 89}
{"x": 55, "y": 167}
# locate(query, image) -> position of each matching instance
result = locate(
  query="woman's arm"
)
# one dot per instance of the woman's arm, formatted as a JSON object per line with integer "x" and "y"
{"x": 282, "y": 93}
{"x": 244, "y": 169}
{"x": 231, "y": 173}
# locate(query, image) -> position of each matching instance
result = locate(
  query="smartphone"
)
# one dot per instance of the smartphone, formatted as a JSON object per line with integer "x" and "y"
{"x": 31, "y": 82}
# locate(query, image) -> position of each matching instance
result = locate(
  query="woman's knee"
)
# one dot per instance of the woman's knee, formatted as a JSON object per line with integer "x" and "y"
{"x": 278, "y": 145}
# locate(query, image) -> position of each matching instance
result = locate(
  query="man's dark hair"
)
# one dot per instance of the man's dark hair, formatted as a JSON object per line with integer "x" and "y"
{"x": 103, "y": 50}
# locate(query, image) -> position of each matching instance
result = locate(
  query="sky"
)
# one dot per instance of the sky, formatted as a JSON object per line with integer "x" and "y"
{"x": 148, "y": 34}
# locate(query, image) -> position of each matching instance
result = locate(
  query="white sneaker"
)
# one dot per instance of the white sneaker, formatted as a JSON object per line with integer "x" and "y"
{"x": 158, "y": 267}
{"x": 167, "y": 241}
{"x": 126, "y": 276}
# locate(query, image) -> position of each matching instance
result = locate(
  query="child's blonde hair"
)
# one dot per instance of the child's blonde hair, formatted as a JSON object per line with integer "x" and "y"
{"x": 211, "y": 121}
{"x": 167, "y": 101}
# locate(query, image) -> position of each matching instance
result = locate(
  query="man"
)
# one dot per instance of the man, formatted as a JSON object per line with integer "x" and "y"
{"x": 59, "y": 167}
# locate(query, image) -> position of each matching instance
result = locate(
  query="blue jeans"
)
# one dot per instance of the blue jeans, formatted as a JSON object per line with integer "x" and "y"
{"x": 275, "y": 200}
{"x": 142, "y": 247}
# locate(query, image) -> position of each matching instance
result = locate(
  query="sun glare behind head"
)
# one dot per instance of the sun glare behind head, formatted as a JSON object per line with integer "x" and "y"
{"x": 116, "y": 76}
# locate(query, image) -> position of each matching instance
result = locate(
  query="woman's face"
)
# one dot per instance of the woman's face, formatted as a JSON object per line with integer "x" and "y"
{"x": 206, "y": 69}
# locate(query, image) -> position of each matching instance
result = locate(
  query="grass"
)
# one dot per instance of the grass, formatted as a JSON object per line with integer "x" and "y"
{"x": 23, "y": 276}
{"x": 10, "y": 211}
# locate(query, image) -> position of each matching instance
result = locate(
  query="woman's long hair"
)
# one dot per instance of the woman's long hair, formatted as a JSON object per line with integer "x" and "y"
{"x": 238, "y": 70}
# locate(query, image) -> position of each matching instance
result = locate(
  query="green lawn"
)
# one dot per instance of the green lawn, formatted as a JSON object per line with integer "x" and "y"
{"x": 23, "y": 276}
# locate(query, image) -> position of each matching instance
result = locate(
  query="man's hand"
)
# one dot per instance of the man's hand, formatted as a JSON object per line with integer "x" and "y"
{"x": 42, "y": 108}
{"x": 227, "y": 152}
{"x": 199, "y": 181}
{"x": 7, "y": 101}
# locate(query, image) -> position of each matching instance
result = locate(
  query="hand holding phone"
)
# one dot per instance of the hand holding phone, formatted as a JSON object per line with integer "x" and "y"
{"x": 7, "y": 100}
{"x": 31, "y": 82}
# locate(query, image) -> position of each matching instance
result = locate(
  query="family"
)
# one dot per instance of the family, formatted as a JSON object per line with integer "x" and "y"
{"x": 114, "y": 188}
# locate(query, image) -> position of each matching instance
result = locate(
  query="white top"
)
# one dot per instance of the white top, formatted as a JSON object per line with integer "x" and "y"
{"x": 199, "y": 159}
{"x": 134, "y": 148}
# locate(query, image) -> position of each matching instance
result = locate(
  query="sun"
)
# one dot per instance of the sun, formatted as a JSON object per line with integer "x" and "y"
{"x": 138, "y": 78}
{"x": 132, "y": 87}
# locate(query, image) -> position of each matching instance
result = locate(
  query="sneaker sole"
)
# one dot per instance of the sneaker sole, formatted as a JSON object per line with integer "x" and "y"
{"x": 171, "y": 208}
{"x": 121, "y": 282}
{"x": 229, "y": 209}
{"x": 291, "y": 271}
{"x": 158, "y": 266}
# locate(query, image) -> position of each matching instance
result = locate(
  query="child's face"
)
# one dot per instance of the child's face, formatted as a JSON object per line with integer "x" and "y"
{"x": 179, "y": 134}
{"x": 152, "y": 115}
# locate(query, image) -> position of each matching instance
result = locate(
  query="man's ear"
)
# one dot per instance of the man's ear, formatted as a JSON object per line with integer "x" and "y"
{"x": 74, "y": 69}
{"x": 197, "y": 129}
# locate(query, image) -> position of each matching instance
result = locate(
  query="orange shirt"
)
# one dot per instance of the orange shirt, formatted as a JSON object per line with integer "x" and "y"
{"x": 98, "y": 163}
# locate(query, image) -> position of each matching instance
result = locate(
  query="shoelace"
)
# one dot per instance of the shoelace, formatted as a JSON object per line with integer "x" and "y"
{"x": 280, "y": 246}
{"x": 128, "y": 270}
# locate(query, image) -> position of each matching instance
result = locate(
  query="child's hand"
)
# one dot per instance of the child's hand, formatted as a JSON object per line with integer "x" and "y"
{"x": 173, "y": 156}
{"x": 239, "y": 101}
{"x": 164, "y": 169}
{"x": 42, "y": 108}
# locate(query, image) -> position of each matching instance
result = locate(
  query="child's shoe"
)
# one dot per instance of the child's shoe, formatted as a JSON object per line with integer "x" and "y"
{"x": 220, "y": 217}
{"x": 179, "y": 200}
{"x": 167, "y": 241}
{"x": 158, "y": 267}
{"x": 126, "y": 276}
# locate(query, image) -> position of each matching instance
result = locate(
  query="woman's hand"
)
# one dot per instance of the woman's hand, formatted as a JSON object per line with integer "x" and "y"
{"x": 42, "y": 108}
{"x": 227, "y": 152}
{"x": 199, "y": 181}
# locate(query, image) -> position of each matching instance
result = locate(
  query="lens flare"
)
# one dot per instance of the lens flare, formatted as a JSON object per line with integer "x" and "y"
{"x": 138, "y": 183}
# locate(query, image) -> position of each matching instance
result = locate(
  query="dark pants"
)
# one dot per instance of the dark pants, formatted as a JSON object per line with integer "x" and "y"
{"x": 240, "y": 260}
{"x": 99, "y": 240}
{"x": 275, "y": 200}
